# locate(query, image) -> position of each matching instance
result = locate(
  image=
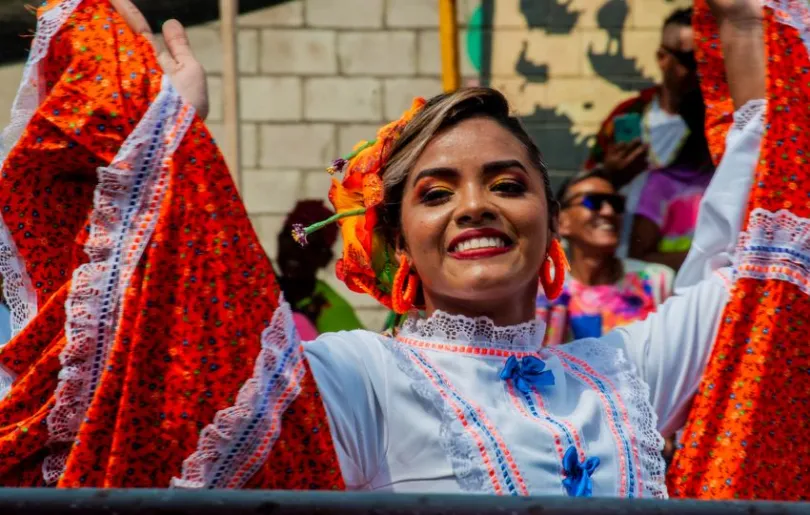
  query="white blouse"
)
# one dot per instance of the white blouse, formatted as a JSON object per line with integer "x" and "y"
{"x": 454, "y": 404}
{"x": 430, "y": 411}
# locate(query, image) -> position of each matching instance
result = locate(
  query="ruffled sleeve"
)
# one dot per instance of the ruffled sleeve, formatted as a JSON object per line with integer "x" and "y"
{"x": 276, "y": 435}
{"x": 310, "y": 417}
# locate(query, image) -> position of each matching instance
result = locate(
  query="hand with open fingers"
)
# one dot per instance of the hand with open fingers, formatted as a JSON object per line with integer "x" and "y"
{"x": 175, "y": 56}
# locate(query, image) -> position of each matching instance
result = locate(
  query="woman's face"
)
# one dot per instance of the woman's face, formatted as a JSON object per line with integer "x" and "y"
{"x": 591, "y": 214}
{"x": 475, "y": 218}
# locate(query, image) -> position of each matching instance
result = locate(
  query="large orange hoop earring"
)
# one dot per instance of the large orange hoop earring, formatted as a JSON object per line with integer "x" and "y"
{"x": 403, "y": 295}
{"x": 557, "y": 260}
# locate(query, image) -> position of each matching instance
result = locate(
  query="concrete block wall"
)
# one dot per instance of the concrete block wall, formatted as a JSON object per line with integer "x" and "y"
{"x": 316, "y": 76}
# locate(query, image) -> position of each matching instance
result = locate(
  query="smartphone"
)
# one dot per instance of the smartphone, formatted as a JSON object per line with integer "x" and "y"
{"x": 627, "y": 128}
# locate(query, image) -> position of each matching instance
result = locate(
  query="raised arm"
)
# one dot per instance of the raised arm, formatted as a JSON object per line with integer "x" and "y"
{"x": 741, "y": 35}
{"x": 672, "y": 347}
{"x": 723, "y": 206}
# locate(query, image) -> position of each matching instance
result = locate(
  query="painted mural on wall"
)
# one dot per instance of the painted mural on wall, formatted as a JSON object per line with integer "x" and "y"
{"x": 565, "y": 64}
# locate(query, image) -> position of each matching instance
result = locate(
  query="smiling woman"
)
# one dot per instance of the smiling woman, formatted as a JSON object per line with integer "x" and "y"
{"x": 448, "y": 209}
{"x": 475, "y": 214}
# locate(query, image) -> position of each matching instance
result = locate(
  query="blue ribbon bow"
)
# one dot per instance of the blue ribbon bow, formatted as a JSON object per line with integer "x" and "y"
{"x": 529, "y": 371}
{"x": 578, "y": 482}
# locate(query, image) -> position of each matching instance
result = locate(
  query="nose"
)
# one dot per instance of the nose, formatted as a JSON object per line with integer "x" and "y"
{"x": 606, "y": 210}
{"x": 473, "y": 207}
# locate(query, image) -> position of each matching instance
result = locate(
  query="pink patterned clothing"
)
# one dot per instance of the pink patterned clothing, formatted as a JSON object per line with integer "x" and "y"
{"x": 671, "y": 199}
{"x": 583, "y": 311}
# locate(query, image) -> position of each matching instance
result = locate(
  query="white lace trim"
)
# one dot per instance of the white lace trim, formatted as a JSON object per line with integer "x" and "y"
{"x": 752, "y": 110}
{"x": 18, "y": 291}
{"x": 459, "y": 446}
{"x": 775, "y": 246}
{"x": 6, "y": 381}
{"x": 232, "y": 448}
{"x": 480, "y": 332}
{"x": 126, "y": 205}
{"x": 641, "y": 423}
{"x": 793, "y": 13}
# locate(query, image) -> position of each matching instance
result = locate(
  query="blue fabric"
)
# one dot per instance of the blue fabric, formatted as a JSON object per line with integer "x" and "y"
{"x": 586, "y": 326}
{"x": 5, "y": 324}
{"x": 529, "y": 371}
{"x": 578, "y": 482}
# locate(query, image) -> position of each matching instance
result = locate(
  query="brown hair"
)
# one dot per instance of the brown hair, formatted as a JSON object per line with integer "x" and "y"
{"x": 439, "y": 114}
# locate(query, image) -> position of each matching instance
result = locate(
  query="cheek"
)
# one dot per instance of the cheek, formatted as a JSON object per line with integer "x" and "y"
{"x": 424, "y": 231}
{"x": 530, "y": 217}
{"x": 533, "y": 227}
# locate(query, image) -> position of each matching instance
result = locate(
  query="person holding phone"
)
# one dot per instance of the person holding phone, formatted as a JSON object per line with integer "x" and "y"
{"x": 659, "y": 128}
{"x": 602, "y": 291}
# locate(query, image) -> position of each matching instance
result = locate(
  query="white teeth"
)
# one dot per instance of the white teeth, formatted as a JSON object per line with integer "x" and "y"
{"x": 479, "y": 243}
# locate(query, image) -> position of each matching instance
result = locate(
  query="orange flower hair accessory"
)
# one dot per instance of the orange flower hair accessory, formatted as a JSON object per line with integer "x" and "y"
{"x": 367, "y": 263}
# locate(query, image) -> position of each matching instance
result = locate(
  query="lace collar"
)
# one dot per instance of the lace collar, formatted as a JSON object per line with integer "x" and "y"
{"x": 476, "y": 335}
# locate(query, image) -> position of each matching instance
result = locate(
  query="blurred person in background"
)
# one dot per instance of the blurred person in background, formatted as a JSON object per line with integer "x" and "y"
{"x": 602, "y": 291}
{"x": 318, "y": 308}
{"x": 659, "y": 129}
{"x": 666, "y": 214}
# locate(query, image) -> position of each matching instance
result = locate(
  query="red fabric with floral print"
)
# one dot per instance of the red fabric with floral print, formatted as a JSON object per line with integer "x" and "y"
{"x": 191, "y": 315}
{"x": 747, "y": 437}
{"x": 713, "y": 84}
{"x": 303, "y": 457}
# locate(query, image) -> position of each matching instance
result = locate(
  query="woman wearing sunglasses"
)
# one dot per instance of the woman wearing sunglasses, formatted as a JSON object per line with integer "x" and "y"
{"x": 602, "y": 291}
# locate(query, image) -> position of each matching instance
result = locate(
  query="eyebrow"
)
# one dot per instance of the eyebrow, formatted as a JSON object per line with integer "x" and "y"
{"x": 435, "y": 172}
{"x": 489, "y": 168}
{"x": 497, "y": 166}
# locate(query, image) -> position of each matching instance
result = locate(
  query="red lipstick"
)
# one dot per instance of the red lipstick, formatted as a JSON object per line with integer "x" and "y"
{"x": 479, "y": 253}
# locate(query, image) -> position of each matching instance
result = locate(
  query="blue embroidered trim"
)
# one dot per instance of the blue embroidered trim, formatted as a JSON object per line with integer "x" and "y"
{"x": 109, "y": 303}
{"x": 632, "y": 474}
{"x": 243, "y": 440}
{"x": 507, "y": 480}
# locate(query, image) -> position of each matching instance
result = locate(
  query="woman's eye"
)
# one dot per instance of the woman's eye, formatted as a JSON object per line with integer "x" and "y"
{"x": 509, "y": 187}
{"x": 435, "y": 195}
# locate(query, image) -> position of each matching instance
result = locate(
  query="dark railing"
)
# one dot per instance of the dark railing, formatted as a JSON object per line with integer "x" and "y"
{"x": 228, "y": 502}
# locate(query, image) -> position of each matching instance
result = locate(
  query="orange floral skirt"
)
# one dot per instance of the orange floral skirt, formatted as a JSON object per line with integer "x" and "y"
{"x": 747, "y": 435}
